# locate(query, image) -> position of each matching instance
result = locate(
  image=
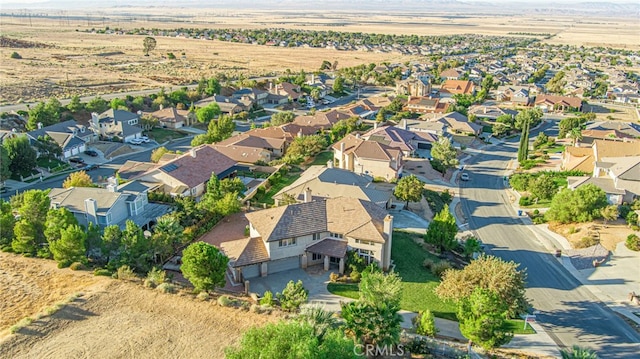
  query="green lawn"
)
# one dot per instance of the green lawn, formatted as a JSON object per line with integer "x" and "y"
{"x": 286, "y": 180}
{"x": 544, "y": 203}
{"x": 349, "y": 290}
{"x": 322, "y": 158}
{"x": 162, "y": 135}
{"x": 516, "y": 326}
{"x": 49, "y": 162}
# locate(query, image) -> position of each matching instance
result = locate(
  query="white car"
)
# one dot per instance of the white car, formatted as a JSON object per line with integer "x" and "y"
{"x": 144, "y": 139}
{"x": 464, "y": 176}
{"x": 135, "y": 141}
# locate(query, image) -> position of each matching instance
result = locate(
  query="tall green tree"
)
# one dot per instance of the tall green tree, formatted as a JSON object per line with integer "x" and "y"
{"x": 208, "y": 112}
{"x": 75, "y": 105}
{"x": 136, "y": 248}
{"x": 442, "y": 230}
{"x": 5, "y": 162}
{"x": 445, "y": 153}
{"x": 204, "y": 266}
{"x": 44, "y": 113}
{"x": 47, "y": 147}
{"x": 71, "y": 245}
{"x": 58, "y": 219}
{"x": 523, "y": 149}
{"x": 111, "y": 243}
{"x": 338, "y": 85}
{"x": 580, "y": 205}
{"x": 97, "y": 104}
{"x": 281, "y": 118}
{"x": 409, "y": 189}
{"x": 148, "y": 44}
{"x": 7, "y": 221}
{"x": 25, "y": 237}
{"x": 543, "y": 187}
{"x": 372, "y": 324}
{"x": 483, "y": 319}
{"x": 33, "y": 209}
{"x": 118, "y": 104}
{"x": 22, "y": 157}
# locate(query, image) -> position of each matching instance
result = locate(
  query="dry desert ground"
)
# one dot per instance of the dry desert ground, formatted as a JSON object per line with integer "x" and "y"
{"x": 110, "y": 318}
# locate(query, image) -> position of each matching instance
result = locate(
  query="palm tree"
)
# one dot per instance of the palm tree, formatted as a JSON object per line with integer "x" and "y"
{"x": 320, "y": 319}
{"x": 577, "y": 352}
{"x": 575, "y": 135}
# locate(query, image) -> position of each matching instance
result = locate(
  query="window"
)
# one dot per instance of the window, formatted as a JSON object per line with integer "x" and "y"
{"x": 369, "y": 243}
{"x": 366, "y": 254}
{"x": 316, "y": 236}
{"x": 316, "y": 257}
{"x": 287, "y": 242}
{"x": 336, "y": 235}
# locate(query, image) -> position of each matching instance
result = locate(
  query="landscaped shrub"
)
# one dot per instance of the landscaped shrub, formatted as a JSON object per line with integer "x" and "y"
{"x": 64, "y": 264}
{"x": 267, "y": 299}
{"x": 439, "y": 268}
{"x": 225, "y": 301}
{"x": 355, "y": 276}
{"x": 155, "y": 277}
{"x": 293, "y": 295}
{"x": 203, "y": 296}
{"x": 166, "y": 288}
{"x": 633, "y": 242}
{"x": 333, "y": 277}
{"x": 425, "y": 323}
{"x": 126, "y": 273}
{"x": 76, "y": 266}
{"x": 102, "y": 272}
{"x": 525, "y": 201}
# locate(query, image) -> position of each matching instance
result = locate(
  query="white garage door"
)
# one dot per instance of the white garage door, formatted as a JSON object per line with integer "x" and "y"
{"x": 281, "y": 265}
{"x": 251, "y": 271}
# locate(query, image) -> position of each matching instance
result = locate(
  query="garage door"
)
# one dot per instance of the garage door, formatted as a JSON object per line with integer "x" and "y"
{"x": 424, "y": 146}
{"x": 251, "y": 271}
{"x": 281, "y": 265}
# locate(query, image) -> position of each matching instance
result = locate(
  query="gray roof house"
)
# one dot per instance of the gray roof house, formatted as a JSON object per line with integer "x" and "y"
{"x": 320, "y": 182}
{"x": 113, "y": 205}
{"x": 116, "y": 123}
{"x": 69, "y": 135}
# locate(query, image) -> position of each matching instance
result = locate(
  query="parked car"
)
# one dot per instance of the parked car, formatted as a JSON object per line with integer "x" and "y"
{"x": 144, "y": 139}
{"x": 91, "y": 153}
{"x": 91, "y": 167}
{"x": 464, "y": 176}
{"x": 135, "y": 141}
{"x": 76, "y": 160}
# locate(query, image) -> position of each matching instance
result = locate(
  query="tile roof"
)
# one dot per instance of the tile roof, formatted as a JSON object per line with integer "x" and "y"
{"x": 606, "y": 184}
{"x": 615, "y": 149}
{"x": 626, "y": 168}
{"x": 629, "y": 128}
{"x": 562, "y": 100}
{"x": 73, "y": 198}
{"x": 170, "y": 115}
{"x": 367, "y": 149}
{"x": 329, "y": 247}
{"x": 244, "y": 154}
{"x": 321, "y": 119}
{"x": 349, "y": 216}
{"x": 112, "y": 115}
{"x": 457, "y": 87}
{"x": 245, "y": 251}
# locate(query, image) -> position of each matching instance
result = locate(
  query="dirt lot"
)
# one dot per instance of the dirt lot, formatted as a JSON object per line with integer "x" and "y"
{"x": 610, "y": 235}
{"x": 112, "y": 319}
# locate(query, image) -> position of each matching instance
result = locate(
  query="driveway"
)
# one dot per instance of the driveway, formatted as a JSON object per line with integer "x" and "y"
{"x": 409, "y": 221}
{"x": 314, "y": 279}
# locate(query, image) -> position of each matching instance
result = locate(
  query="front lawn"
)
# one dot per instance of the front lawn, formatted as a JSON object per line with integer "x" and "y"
{"x": 516, "y": 325}
{"x": 348, "y": 290}
{"x": 162, "y": 135}
{"x": 284, "y": 181}
{"x": 322, "y": 158}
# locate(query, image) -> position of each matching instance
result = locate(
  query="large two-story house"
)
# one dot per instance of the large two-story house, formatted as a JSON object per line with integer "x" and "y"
{"x": 119, "y": 124}
{"x": 315, "y": 232}
{"x": 69, "y": 135}
{"x": 368, "y": 157}
{"x": 618, "y": 177}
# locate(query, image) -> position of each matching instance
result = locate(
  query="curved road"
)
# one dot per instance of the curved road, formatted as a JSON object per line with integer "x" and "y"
{"x": 568, "y": 311}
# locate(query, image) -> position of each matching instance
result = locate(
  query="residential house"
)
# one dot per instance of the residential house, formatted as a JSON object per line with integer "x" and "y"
{"x": 629, "y": 129}
{"x": 452, "y": 74}
{"x": 69, "y": 135}
{"x": 320, "y": 182}
{"x": 368, "y": 157}
{"x": 253, "y": 95}
{"x": 113, "y": 205}
{"x": 584, "y": 158}
{"x": 369, "y": 107}
{"x": 284, "y": 90}
{"x": 486, "y": 112}
{"x": 456, "y": 87}
{"x": 133, "y": 169}
{"x": 458, "y": 123}
{"x": 558, "y": 103}
{"x": 118, "y": 124}
{"x": 426, "y": 105}
{"x": 317, "y": 232}
{"x": 188, "y": 174}
{"x": 430, "y": 127}
{"x": 228, "y": 105}
{"x": 401, "y": 138}
{"x": 416, "y": 87}
{"x": 322, "y": 120}
{"x": 518, "y": 95}
{"x": 618, "y": 177}
{"x": 171, "y": 117}
{"x": 588, "y": 136}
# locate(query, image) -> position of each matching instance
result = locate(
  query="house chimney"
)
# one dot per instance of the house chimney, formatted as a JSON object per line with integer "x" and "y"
{"x": 39, "y": 125}
{"x": 313, "y": 79}
{"x": 91, "y": 209}
{"x": 192, "y": 152}
{"x": 388, "y": 230}
{"x": 342, "y": 147}
{"x": 300, "y": 133}
{"x": 307, "y": 195}
{"x": 330, "y": 163}
{"x": 112, "y": 188}
{"x": 270, "y": 86}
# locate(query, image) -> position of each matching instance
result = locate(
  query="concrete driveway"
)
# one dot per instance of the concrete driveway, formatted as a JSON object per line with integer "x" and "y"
{"x": 314, "y": 279}
{"x": 409, "y": 221}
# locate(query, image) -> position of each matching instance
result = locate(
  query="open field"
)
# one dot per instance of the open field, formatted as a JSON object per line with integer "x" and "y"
{"x": 610, "y": 235}
{"x": 71, "y": 61}
{"x": 111, "y": 319}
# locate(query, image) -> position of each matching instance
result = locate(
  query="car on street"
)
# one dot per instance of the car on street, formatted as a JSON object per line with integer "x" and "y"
{"x": 91, "y": 153}
{"x": 76, "y": 160}
{"x": 91, "y": 167}
{"x": 464, "y": 176}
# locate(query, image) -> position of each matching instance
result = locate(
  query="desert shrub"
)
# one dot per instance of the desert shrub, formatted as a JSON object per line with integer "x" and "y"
{"x": 15, "y": 55}
{"x": 155, "y": 277}
{"x": 102, "y": 272}
{"x": 425, "y": 323}
{"x": 64, "y": 264}
{"x": 125, "y": 273}
{"x": 166, "y": 288}
{"x": 538, "y": 220}
{"x": 573, "y": 230}
{"x": 428, "y": 263}
{"x": 76, "y": 266}
{"x": 293, "y": 295}
{"x": 333, "y": 277}
{"x": 439, "y": 268}
{"x": 225, "y": 301}
{"x": 536, "y": 212}
{"x": 203, "y": 296}
{"x": 21, "y": 324}
{"x": 245, "y": 305}
{"x": 633, "y": 242}
{"x": 586, "y": 242}
{"x": 267, "y": 299}
{"x": 171, "y": 56}
{"x": 355, "y": 276}
{"x": 525, "y": 201}
{"x": 255, "y": 308}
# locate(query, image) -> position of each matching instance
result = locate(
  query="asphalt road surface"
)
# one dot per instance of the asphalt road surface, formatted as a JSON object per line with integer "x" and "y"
{"x": 568, "y": 311}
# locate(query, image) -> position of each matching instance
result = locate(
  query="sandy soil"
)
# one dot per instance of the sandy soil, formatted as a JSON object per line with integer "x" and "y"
{"x": 115, "y": 319}
{"x": 610, "y": 235}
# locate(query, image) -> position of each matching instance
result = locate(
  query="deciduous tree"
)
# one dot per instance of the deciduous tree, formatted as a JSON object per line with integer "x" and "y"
{"x": 148, "y": 44}
{"x": 78, "y": 179}
{"x": 580, "y": 205}
{"x": 482, "y": 318}
{"x": 22, "y": 157}
{"x": 445, "y": 153}
{"x": 409, "y": 189}
{"x": 442, "y": 230}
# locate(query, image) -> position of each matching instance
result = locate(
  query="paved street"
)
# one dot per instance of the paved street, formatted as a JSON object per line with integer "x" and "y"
{"x": 568, "y": 311}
